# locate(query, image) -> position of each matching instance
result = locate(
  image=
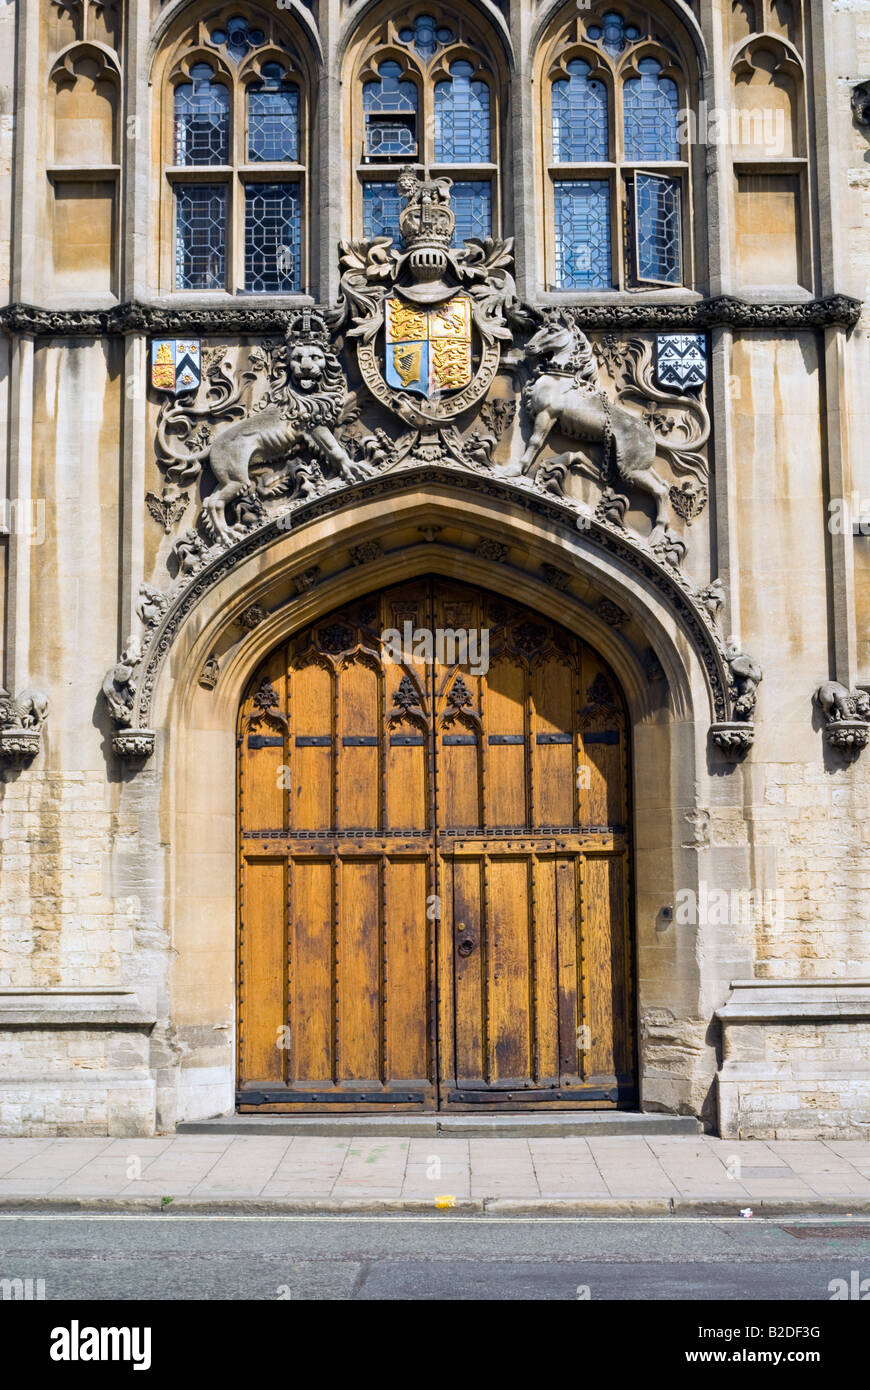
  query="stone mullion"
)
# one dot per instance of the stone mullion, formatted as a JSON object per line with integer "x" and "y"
{"x": 826, "y": 174}
{"x": 136, "y": 226}
{"x": 23, "y": 284}
{"x": 725, "y": 558}
{"x": 716, "y": 93}
{"x": 135, "y": 151}
{"x": 19, "y": 494}
{"x": 833, "y": 401}
{"x": 332, "y": 143}
{"x": 524, "y": 157}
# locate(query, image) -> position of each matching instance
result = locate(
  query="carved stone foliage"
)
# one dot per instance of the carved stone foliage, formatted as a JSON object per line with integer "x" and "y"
{"x": 169, "y": 508}
{"x": 30, "y": 320}
{"x": 847, "y": 717}
{"x": 22, "y": 719}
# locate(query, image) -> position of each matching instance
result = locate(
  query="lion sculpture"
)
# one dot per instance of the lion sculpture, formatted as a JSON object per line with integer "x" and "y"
{"x": 303, "y": 409}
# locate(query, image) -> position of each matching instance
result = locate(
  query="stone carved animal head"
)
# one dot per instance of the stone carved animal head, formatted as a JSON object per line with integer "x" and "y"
{"x": 307, "y": 365}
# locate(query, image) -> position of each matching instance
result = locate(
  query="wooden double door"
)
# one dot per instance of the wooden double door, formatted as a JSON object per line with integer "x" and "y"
{"x": 434, "y": 861}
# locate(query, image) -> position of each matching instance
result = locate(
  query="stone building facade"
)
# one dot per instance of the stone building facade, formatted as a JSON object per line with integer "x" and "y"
{"x": 545, "y": 319}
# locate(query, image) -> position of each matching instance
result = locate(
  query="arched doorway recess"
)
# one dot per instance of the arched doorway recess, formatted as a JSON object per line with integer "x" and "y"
{"x": 434, "y": 848}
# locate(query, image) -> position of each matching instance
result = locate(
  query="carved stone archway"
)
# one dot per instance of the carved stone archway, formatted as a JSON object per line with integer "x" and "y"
{"x": 215, "y": 641}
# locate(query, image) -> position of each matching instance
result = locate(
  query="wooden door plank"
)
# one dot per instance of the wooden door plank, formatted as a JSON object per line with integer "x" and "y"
{"x": 509, "y": 968}
{"x": 466, "y": 949}
{"x": 262, "y": 971}
{"x": 312, "y": 753}
{"x": 545, "y": 980}
{"x": 358, "y": 747}
{"x": 359, "y": 1001}
{"x": 506, "y": 743}
{"x": 311, "y": 972}
{"x": 407, "y": 1021}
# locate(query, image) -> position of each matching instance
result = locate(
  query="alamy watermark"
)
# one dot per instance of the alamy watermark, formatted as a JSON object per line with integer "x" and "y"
{"x": 448, "y": 646}
{"x": 738, "y": 907}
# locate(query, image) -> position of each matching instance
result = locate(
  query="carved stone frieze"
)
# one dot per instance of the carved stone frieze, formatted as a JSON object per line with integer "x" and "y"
{"x": 556, "y": 578}
{"x": 30, "y": 320}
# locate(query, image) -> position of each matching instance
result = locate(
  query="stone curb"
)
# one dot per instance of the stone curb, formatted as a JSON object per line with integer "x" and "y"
{"x": 463, "y": 1206}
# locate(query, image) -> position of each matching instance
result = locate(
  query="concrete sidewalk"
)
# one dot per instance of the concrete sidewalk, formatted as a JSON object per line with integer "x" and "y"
{"x": 667, "y": 1175}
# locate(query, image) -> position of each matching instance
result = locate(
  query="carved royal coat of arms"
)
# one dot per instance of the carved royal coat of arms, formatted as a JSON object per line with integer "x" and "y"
{"x": 428, "y": 318}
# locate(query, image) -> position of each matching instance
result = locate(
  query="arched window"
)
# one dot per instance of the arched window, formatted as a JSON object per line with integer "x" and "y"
{"x": 424, "y": 92}
{"x": 202, "y": 119}
{"x": 235, "y": 107}
{"x": 461, "y": 117}
{"x": 616, "y": 186}
{"x": 651, "y": 114}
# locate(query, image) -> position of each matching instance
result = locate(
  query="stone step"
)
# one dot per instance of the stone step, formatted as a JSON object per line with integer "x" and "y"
{"x": 560, "y": 1125}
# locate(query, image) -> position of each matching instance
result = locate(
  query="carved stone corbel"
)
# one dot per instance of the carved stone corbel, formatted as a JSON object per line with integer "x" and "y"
{"x": 847, "y": 717}
{"x": 22, "y": 719}
{"x": 133, "y": 745}
{"x": 733, "y": 737}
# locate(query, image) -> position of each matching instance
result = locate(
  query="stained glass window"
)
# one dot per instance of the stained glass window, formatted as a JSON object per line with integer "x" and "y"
{"x": 381, "y": 208}
{"x": 390, "y": 107}
{"x": 579, "y": 116}
{"x": 273, "y": 117}
{"x": 273, "y": 238}
{"x": 426, "y": 35}
{"x": 582, "y": 231}
{"x": 471, "y": 200}
{"x": 657, "y": 228}
{"x": 200, "y": 236}
{"x": 238, "y": 36}
{"x": 461, "y": 117}
{"x": 202, "y": 119}
{"x": 651, "y": 114}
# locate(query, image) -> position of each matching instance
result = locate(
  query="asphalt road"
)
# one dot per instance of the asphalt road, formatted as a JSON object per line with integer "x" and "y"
{"x": 180, "y": 1257}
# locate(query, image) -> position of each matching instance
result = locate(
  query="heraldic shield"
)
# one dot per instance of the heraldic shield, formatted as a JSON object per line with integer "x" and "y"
{"x": 428, "y": 350}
